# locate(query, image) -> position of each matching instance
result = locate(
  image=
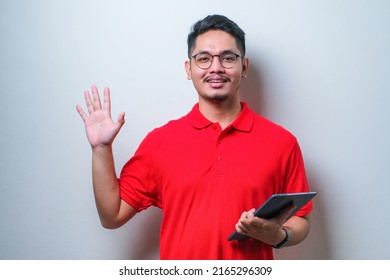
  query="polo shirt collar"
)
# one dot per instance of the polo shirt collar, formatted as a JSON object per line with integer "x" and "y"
{"x": 243, "y": 122}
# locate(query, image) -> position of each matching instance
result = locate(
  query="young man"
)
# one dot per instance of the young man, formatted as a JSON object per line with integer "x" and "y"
{"x": 208, "y": 169}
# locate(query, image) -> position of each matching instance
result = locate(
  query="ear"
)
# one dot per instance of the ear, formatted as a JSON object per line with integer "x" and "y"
{"x": 245, "y": 67}
{"x": 187, "y": 66}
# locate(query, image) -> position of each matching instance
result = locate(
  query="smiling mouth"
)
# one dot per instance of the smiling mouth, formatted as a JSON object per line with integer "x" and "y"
{"x": 217, "y": 80}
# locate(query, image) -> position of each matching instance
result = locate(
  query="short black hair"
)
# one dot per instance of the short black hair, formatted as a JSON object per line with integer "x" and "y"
{"x": 216, "y": 22}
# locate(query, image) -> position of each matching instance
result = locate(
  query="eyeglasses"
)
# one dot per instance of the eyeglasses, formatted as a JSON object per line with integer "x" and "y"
{"x": 204, "y": 60}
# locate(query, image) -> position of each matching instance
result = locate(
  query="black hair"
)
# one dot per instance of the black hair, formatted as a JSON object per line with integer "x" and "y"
{"x": 216, "y": 22}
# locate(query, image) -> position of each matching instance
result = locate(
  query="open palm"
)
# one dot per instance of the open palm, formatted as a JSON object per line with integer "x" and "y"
{"x": 99, "y": 126}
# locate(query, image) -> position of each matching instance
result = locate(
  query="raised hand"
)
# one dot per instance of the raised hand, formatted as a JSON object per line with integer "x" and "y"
{"x": 100, "y": 128}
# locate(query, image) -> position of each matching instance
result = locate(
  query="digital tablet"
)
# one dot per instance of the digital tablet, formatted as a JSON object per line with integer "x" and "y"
{"x": 275, "y": 204}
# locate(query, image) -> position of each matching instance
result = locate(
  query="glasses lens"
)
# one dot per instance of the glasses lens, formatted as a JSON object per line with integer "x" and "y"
{"x": 228, "y": 60}
{"x": 203, "y": 60}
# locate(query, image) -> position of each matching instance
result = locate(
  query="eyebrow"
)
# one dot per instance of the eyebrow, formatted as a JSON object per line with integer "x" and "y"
{"x": 223, "y": 52}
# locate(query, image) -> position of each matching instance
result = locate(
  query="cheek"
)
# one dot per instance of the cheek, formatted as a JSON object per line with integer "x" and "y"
{"x": 196, "y": 76}
{"x": 236, "y": 76}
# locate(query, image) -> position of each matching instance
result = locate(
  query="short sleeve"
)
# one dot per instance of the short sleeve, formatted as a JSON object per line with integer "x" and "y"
{"x": 295, "y": 179}
{"x": 137, "y": 184}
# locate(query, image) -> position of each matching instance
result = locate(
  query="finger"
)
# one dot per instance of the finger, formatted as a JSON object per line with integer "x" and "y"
{"x": 96, "y": 99}
{"x": 286, "y": 212}
{"x": 247, "y": 214}
{"x": 107, "y": 101}
{"x": 251, "y": 213}
{"x": 241, "y": 230}
{"x": 289, "y": 209}
{"x": 244, "y": 215}
{"x": 81, "y": 112}
{"x": 121, "y": 118}
{"x": 88, "y": 101}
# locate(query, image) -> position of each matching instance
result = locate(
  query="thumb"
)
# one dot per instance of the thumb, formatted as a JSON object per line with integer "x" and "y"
{"x": 287, "y": 211}
{"x": 121, "y": 118}
{"x": 251, "y": 213}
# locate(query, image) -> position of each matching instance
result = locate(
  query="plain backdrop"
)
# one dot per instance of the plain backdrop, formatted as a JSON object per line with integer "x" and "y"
{"x": 318, "y": 68}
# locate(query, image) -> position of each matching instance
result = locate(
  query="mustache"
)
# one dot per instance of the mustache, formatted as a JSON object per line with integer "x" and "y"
{"x": 217, "y": 77}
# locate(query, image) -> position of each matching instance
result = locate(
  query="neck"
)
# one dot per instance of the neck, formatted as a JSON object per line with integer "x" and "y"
{"x": 223, "y": 113}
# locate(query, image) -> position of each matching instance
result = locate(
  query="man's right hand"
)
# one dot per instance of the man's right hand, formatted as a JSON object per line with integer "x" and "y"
{"x": 100, "y": 128}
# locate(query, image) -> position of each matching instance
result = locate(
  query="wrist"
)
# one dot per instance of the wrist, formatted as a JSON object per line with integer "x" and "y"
{"x": 102, "y": 153}
{"x": 284, "y": 241}
{"x": 101, "y": 148}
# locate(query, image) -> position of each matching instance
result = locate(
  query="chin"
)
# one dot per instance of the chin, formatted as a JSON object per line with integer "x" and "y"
{"x": 216, "y": 97}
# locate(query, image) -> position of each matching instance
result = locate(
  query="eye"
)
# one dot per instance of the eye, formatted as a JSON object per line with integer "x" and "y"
{"x": 228, "y": 58}
{"x": 203, "y": 58}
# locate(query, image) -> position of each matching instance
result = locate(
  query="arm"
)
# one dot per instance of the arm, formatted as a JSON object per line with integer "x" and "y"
{"x": 101, "y": 131}
{"x": 298, "y": 228}
{"x": 271, "y": 231}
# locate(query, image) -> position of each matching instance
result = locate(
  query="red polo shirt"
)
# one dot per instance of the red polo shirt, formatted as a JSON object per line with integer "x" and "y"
{"x": 203, "y": 178}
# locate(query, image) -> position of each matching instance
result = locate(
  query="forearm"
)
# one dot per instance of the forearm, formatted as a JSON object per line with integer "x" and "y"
{"x": 105, "y": 185}
{"x": 298, "y": 228}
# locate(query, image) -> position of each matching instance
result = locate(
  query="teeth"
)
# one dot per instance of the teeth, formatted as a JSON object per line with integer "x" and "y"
{"x": 216, "y": 81}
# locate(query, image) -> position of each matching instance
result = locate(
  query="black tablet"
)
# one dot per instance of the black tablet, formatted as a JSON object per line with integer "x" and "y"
{"x": 275, "y": 204}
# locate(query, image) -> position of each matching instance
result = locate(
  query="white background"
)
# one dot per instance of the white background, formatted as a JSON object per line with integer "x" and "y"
{"x": 318, "y": 68}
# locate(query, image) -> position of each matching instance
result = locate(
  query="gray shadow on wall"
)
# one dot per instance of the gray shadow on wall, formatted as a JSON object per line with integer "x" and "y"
{"x": 252, "y": 89}
{"x": 319, "y": 237}
{"x": 316, "y": 245}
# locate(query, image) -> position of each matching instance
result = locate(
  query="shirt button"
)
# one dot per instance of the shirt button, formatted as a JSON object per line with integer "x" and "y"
{"x": 219, "y": 157}
{"x": 214, "y": 127}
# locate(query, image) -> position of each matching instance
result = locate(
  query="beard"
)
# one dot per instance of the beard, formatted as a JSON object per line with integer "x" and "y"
{"x": 215, "y": 97}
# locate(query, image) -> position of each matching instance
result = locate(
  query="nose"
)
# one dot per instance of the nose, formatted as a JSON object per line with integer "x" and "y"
{"x": 216, "y": 65}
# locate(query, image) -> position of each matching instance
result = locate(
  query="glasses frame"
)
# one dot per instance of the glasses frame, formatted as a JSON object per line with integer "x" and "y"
{"x": 219, "y": 59}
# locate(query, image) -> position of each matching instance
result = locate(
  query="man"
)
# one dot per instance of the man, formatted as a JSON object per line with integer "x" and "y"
{"x": 208, "y": 169}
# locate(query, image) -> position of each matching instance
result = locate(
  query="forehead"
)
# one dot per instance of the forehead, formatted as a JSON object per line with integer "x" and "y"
{"x": 215, "y": 41}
